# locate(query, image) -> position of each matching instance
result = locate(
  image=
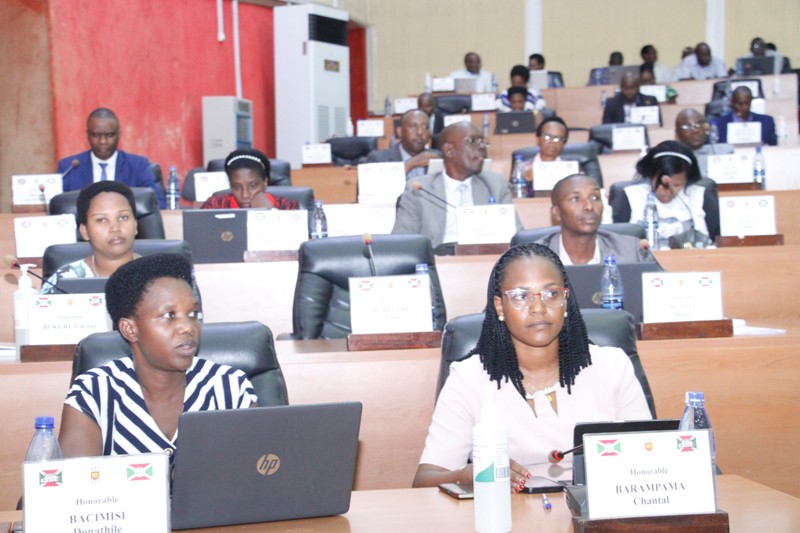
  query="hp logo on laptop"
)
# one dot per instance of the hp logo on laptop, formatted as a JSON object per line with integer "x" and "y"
{"x": 268, "y": 464}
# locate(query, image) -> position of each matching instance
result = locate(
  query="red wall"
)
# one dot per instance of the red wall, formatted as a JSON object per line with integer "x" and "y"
{"x": 357, "y": 41}
{"x": 152, "y": 62}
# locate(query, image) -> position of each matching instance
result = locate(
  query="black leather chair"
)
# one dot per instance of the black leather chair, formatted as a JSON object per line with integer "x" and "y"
{"x": 322, "y": 293}
{"x": 603, "y": 135}
{"x": 555, "y": 80}
{"x": 158, "y": 177}
{"x": 606, "y": 327}
{"x": 148, "y": 214}
{"x": 248, "y": 346}
{"x": 280, "y": 171}
{"x": 722, "y": 88}
{"x": 58, "y": 255}
{"x": 453, "y": 104}
{"x": 533, "y": 235}
{"x": 303, "y": 195}
{"x": 584, "y": 153}
{"x": 717, "y": 108}
{"x": 351, "y": 150}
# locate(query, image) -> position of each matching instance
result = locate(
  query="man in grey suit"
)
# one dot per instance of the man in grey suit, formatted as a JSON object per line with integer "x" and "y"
{"x": 428, "y": 205}
{"x": 414, "y": 137}
{"x": 578, "y": 206}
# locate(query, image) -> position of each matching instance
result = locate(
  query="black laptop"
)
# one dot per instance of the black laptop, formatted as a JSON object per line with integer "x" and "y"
{"x": 216, "y": 235}
{"x": 514, "y": 122}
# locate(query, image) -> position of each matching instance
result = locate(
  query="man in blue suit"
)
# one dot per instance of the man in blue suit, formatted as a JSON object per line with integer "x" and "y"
{"x": 740, "y": 104}
{"x": 104, "y": 161}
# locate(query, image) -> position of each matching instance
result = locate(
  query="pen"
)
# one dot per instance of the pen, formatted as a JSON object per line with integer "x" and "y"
{"x": 546, "y": 505}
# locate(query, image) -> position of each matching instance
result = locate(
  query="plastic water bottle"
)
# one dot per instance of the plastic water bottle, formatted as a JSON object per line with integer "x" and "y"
{"x": 485, "y": 125}
{"x": 320, "y": 222}
{"x": 387, "y": 106}
{"x": 603, "y": 98}
{"x": 491, "y": 472}
{"x": 427, "y": 82}
{"x": 611, "y": 292}
{"x": 759, "y": 169}
{"x": 349, "y": 129}
{"x": 494, "y": 84}
{"x": 44, "y": 444}
{"x": 173, "y": 189}
{"x": 21, "y": 296}
{"x": 422, "y": 270}
{"x": 650, "y": 221}
{"x": 696, "y": 417}
{"x": 519, "y": 188}
{"x": 780, "y": 130}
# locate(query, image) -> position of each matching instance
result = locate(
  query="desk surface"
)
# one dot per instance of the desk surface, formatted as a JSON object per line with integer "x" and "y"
{"x": 750, "y": 507}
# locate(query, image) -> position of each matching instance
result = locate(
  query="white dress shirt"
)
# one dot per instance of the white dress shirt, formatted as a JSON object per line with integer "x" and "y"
{"x": 454, "y": 196}
{"x": 97, "y": 170}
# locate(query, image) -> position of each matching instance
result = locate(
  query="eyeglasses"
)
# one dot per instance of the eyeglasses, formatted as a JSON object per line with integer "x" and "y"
{"x": 522, "y": 298}
{"x": 553, "y": 138}
{"x": 692, "y": 126}
{"x": 480, "y": 142}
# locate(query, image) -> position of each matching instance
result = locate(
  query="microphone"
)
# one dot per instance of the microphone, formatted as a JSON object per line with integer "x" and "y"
{"x": 645, "y": 244}
{"x": 73, "y": 165}
{"x": 556, "y": 456}
{"x": 370, "y": 256}
{"x": 13, "y": 262}
{"x": 44, "y": 199}
{"x": 418, "y": 187}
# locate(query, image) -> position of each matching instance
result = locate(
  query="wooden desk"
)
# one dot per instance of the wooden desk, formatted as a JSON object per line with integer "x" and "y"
{"x": 750, "y": 507}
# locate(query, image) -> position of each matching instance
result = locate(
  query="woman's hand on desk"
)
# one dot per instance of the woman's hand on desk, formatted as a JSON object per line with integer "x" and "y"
{"x": 429, "y": 475}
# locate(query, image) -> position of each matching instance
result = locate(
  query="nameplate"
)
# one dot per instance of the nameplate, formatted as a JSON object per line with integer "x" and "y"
{"x": 744, "y": 133}
{"x": 401, "y": 105}
{"x": 275, "y": 229}
{"x": 390, "y": 304}
{"x": 484, "y": 102}
{"x": 647, "y": 114}
{"x": 117, "y": 493}
{"x": 485, "y": 224}
{"x": 740, "y": 216}
{"x": 455, "y": 119}
{"x": 731, "y": 168}
{"x": 66, "y": 318}
{"x": 681, "y": 296}
{"x": 547, "y": 173}
{"x": 316, "y": 154}
{"x": 33, "y": 234}
{"x": 357, "y": 219}
{"x": 440, "y": 85}
{"x": 381, "y": 183}
{"x": 649, "y": 474}
{"x": 35, "y": 189}
{"x": 627, "y": 138}
{"x": 659, "y": 92}
{"x": 370, "y": 128}
{"x": 207, "y": 183}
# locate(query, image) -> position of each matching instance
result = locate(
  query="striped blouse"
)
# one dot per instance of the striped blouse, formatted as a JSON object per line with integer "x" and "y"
{"x": 111, "y": 396}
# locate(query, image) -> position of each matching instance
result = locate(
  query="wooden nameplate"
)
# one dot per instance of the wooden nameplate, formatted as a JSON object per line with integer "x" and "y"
{"x": 481, "y": 249}
{"x": 264, "y": 256}
{"x": 747, "y": 186}
{"x": 710, "y": 522}
{"x": 30, "y": 353}
{"x": 749, "y": 240}
{"x": 394, "y": 341}
{"x": 699, "y": 329}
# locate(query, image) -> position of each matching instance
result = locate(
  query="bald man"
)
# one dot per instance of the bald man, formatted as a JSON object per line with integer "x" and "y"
{"x": 691, "y": 128}
{"x": 414, "y": 137}
{"x": 428, "y": 205}
{"x": 577, "y": 205}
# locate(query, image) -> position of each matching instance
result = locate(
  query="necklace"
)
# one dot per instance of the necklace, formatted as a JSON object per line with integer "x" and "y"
{"x": 94, "y": 267}
{"x": 547, "y": 391}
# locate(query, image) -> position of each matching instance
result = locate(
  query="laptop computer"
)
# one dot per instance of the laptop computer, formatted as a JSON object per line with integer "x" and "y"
{"x": 465, "y": 85}
{"x": 584, "y": 428}
{"x": 514, "y": 122}
{"x": 585, "y": 280}
{"x": 540, "y": 79}
{"x": 264, "y": 464}
{"x": 216, "y": 235}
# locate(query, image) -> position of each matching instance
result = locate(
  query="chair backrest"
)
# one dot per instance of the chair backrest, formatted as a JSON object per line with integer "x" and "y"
{"x": 322, "y": 293}
{"x": 453, "y": 104}
{"x": 58, "y": 255}
{"x": 533, "y": 235}
{"x": 717, "y": 108}
{"x": 280, "y": 173}
{"x": 725, "y": 87}
{"x": 158, "y": 177}
{"x": 603, "y": 135}
{"x": 148, "y": 214}
{"x": 606, "y": 327}
{"x": 584, "y": 153}
{"x": 351, "y": 150}
{"x": 248, "y": 346}
{"x": 555, "y": 79}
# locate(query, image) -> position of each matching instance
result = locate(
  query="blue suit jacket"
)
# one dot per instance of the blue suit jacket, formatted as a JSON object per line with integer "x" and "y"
{"x": 132, "y": 170}
{"x": 767, "y": 127}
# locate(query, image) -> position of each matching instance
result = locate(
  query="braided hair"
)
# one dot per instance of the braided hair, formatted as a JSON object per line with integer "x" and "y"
{"x": 495, "y": 347}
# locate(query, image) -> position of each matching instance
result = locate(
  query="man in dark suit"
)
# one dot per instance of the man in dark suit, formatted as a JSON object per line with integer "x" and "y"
{"x": 618, "y": 108}
{"x": 414, "y": 137}
{"x": 740, "y": 104}
{"x": 104, "y": 161}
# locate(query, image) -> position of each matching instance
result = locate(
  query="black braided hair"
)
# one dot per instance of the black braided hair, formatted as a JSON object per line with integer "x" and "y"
{"x": 495, "y": 347}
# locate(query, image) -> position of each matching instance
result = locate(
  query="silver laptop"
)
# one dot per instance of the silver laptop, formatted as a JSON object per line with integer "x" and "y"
{"x": 466, "y": 85}
{"x": 264, "y": 464}
{"x": 585, "y": 280}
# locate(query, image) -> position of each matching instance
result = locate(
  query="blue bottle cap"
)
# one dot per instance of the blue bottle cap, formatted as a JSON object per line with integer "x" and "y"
{"x": 695, "y": 397}
{"x": 44, "y": 422}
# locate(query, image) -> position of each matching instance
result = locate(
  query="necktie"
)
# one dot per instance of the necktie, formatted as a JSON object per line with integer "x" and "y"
{"x": 103, "y": 174}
